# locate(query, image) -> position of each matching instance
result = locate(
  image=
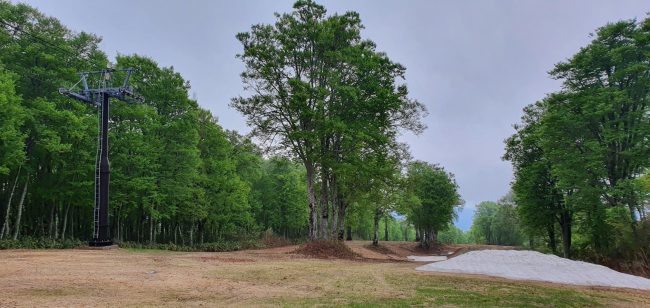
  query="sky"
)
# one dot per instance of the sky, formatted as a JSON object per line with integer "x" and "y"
{"x": 474, "y": 64}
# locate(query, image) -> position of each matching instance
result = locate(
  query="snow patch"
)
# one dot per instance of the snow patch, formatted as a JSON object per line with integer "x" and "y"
{"x": 532, "y": 265}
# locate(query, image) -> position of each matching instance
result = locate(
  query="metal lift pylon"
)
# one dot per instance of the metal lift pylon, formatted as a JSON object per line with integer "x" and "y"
{"x": 99, "y": 97}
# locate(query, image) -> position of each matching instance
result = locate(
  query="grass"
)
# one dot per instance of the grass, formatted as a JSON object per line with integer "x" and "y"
{"x": 356, "y": 284}
{"x": 144, "y": 277}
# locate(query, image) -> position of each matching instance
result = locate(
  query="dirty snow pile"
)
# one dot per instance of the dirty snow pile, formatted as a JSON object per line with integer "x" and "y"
{"x": 532, "y": 265}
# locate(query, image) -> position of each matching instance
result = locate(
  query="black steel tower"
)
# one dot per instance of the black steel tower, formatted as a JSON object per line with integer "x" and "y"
{"x": 99, "y": 97}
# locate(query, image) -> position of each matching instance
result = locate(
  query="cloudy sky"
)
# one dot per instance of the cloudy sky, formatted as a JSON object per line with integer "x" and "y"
{"x": 474, "y": 64}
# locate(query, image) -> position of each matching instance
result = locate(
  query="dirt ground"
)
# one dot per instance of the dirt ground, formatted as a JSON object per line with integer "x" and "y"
{"x": 268, "y": 277}
{"x": 398, "y": 251}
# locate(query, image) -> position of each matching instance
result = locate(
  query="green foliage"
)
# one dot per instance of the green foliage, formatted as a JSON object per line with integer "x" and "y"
{"x": 454, "y": 235}
{"x": 430, "y": 199}
{"x": 177, "y": 176}
{"x": 12, "y": 152}
{"x": 221, "y": 246}
{"x": 281, "y": 197}
{"x": 433, "y": 196}
{"x": 579, "y": 154}
{"x": 40, "y": 243}
{"x": 323, "y": 95}
{"x": 496, "y": 224}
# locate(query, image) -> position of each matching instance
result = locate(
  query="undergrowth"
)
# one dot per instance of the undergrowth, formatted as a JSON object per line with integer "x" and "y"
{"x": 40, "y": 243}
{"x": 207, "y": 247}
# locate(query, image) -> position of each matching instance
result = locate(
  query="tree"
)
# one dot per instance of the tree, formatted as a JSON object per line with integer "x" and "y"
{"x": 540, "y": 201}
{"x": 605, "y": 97}
{"x": 453, "y": 235}
{"x": 12, "y": 151}
{"x": 496, "y": 223}
{"x": 321, "y": 94}
{"x": 283, "y": 208}
{"x": 432, "y": 198}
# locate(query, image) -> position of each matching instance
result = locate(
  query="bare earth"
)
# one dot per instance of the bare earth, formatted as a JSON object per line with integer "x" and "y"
{"x": 269, "y": 277}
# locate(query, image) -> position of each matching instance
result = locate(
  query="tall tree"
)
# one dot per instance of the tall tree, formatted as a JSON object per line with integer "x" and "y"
{"x": 605, "y": 103}
{"x": 316, "y": 88}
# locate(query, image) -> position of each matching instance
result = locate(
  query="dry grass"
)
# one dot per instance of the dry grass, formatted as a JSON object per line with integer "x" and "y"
{"x": 271, "y": 277}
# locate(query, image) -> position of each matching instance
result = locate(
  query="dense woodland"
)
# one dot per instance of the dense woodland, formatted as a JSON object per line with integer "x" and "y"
{"x": 325, "y": 107}
{"x": 323, "y": 160}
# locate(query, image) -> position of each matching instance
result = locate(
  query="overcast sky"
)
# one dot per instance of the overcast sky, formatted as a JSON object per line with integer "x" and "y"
{"x": 474, "y": 64}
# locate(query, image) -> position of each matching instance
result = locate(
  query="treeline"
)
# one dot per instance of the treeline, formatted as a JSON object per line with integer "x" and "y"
{"x": 177, "y": 176}
{"x": 581, "y": 155}
{"x": 325, "y": 107}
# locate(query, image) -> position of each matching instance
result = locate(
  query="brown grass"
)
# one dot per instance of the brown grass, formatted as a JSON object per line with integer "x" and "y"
{"x": 269, "y": 277}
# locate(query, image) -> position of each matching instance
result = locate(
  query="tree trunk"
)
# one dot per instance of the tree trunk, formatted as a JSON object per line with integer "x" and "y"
{"x": 349, "y": 238}
{"x": 429, "y": 239}
{"x": 386, "y": 228}
{"x": 72, "y": 224}
{"x": 56, "y": 223}
{"x": 406, "y": 232}
{"x": 50, "y": 225}
{"x": 418, "y": 236}
{"x": 633, "y": 223}
{"x": 6, "y": 227}
{"x": 375, "y": 236}
{"x": 423, "y": 240}
{"x": 65, "y": 221}
{"x": 192, "y": 235}
{"x": 20, "y": 209}
{"x": 335, "y": 208}
{"x": 201, "y": 231}
{"x": 324, "y": 205}
{"x": 119, "y": 225}
{"x": 150, "y": 230}
{"x": 341, "y": 222}
{"x": 551, "y": 238}
{"x": 565, "y": 223}
{"x": 313, "y": 208}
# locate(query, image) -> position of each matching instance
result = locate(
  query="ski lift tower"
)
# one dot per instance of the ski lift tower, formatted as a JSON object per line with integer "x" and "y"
{"x": 99, "y": 97}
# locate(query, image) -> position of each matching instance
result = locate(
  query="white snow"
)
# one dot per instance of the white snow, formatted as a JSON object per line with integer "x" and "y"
{"x": 532, "y": 265}
{"x": 426, "y": 258}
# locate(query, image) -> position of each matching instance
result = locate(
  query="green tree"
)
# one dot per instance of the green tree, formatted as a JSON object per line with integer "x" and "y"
{"x": 432, "y": 197}
{"x": 541, "y": 204}
{"x": 601, "y": 119}
{"x": 12, "y": 151}
{"x": 321, "y": 94}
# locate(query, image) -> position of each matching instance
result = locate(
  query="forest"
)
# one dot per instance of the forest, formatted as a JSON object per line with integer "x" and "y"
{"x": 323, "y": 160}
